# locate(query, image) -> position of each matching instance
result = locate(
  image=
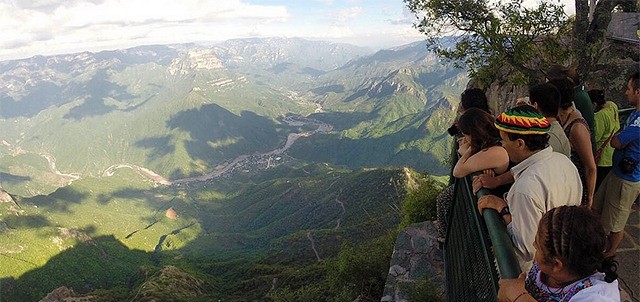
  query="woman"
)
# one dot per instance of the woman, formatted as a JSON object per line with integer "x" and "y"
{"x": 607, "y": 123}
{"x": 479, "y": 149}
{"x": 569, "y": 264}
{"x": 577, "y": 130}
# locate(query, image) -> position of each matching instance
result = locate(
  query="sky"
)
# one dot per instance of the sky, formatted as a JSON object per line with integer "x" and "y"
{"x": 47, "y": 27}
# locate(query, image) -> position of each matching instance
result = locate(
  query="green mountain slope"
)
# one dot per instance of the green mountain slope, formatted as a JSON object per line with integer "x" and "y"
{"x": 98, "y": 226}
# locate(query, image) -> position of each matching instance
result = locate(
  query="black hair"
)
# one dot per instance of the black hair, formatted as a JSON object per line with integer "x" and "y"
{"x": 576, "y": 236}
{"x": 566, "y": 92}
{"x": 597, "y": 96}
{"x": 635, "y": 80}
{"x": 474, "y": 98}
{"x": 479, "y": 125}
{"x": 534, "y": 142}
{"x": 547, "y": 96}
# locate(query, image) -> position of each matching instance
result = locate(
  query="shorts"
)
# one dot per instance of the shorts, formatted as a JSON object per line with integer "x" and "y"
{"x": 613, "y": 201}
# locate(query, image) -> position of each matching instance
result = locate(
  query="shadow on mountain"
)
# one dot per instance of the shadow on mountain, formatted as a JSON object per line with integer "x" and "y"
{"x": 38, "y": 98}
{"x": 326, "y": 89}
{"x": 96, "y": 91}
{"x": 13, "y": 179}
{"x": 341, "y": 120}
{"x": 368, "y": 152}
{"x": 60, "y": 200}
{"x": 102, "y": 263}
{"x": 217, "y": 135}
{"x": 159, "y": 146}
{"x": 26, "y": 221}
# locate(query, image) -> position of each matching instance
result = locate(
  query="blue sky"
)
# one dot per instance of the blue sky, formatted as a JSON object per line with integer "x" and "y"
{"x": 46, "y": 27}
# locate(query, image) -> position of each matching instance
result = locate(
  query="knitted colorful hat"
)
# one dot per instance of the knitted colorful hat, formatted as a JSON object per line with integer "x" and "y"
{"x": 522, "y": 120}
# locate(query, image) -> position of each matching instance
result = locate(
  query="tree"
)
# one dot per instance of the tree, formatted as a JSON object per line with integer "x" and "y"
{"x": 489, "y": 35}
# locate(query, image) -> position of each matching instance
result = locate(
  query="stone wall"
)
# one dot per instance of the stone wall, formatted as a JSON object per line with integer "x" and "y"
{"x": 416, "y": 258}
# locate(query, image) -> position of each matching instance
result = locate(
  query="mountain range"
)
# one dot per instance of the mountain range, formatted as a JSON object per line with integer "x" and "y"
{"x": 259, "y": 146}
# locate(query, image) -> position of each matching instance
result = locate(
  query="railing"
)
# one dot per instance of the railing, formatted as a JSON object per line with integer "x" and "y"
{"x": 478, "y": 249}
{"x": 623, "y": 114}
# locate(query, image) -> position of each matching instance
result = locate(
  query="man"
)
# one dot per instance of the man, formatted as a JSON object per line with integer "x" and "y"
{"x": 546, "y": 98}
{"x": 621, "y": 186}
{"x": 543, "y": 179}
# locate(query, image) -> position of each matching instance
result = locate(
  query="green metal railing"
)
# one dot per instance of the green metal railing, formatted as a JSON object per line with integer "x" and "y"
{"x": 478, "y": 249}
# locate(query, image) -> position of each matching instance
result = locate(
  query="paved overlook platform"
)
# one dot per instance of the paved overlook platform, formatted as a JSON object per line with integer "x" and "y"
{"x": 628, "y": 257}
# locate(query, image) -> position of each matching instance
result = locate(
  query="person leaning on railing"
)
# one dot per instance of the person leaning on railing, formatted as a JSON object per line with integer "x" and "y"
{"x": 569, "y": 263}
{"x": 543, "y": 179}
{"x": 472, "y": 98}
{"x": 480, "y": 150}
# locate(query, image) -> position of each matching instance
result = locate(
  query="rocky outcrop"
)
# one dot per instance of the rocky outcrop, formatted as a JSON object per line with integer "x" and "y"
{"x": 65, "y": 294}
{"x": 170, "y": 284}
{"x": 5, "y": 197}
{"x": 416, "y": 258}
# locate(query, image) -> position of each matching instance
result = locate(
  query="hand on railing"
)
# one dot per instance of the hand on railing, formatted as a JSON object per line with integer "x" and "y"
{"x": 493, "y": 202}
{"x": 484, "y": 181}
{"x": 490, "y": 181}
{"x": 512, "y": 290}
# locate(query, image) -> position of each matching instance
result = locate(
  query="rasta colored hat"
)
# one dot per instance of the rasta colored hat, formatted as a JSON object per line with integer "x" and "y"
{"x": 522, "y": 120}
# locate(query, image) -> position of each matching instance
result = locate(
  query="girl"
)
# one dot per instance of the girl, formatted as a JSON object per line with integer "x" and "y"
{"x": 480, "y": 150}
{"x": 569, "y": 264}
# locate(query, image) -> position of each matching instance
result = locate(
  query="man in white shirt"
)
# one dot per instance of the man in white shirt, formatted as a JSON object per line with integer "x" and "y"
{"x": 543, "y": 179}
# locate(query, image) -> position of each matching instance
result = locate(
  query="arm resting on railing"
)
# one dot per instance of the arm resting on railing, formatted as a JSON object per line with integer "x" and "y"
{"x": 501, "y": 242}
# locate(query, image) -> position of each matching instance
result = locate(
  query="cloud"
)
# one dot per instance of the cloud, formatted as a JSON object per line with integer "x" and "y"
{"x": 57, "y": 26}
{"x": 346, "y": 14}
{"x": 407, "y": 18}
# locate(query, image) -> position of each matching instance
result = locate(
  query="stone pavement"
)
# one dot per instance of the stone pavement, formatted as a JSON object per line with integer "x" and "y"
{"x": 628, "y": 257}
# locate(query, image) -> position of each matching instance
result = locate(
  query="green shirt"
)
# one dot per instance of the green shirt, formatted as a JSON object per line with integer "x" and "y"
{"x": 583, "y": 103}
{"x": 607, "y": 122}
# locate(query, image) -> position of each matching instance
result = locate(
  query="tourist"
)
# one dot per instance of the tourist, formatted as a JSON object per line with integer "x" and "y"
{"x": 479, "y": 149}
{"x": 621, "y": 187}
{"x": 543, "y": 179}
{"x": 577, "y": 130}
{"x": 607, "y": 124}
{"x": 546, "y": 98}
{"x": 569, "y": 264}
{"x": 581, "y": 101}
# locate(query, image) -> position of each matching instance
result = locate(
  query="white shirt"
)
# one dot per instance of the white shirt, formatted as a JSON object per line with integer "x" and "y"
{"x": 543, "y": 181}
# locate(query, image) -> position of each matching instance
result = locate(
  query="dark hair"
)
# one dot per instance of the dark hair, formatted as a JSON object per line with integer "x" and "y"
{"x": 573, "y": 76}
{"x": 534, "y": 142}
{"x": 635, "y": 80}
{"x": 556, "y": 72}
{"x": 566, "y": 92}
{"x": 547, "y": 97}
{"x": 576, "y": 236}
{"x": 474, "y": 98}
{"x": 479, "y": 125}
{"x": 597, "y": 96}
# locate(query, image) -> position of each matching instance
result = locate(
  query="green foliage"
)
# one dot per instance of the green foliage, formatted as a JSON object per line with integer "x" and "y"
{"x": 358, "y": 271}
{"x": 363, "y": 269}
{"x": 489, "y": 34}
{"x": 420, "y": 203}
{"x": 423, "y": 291}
